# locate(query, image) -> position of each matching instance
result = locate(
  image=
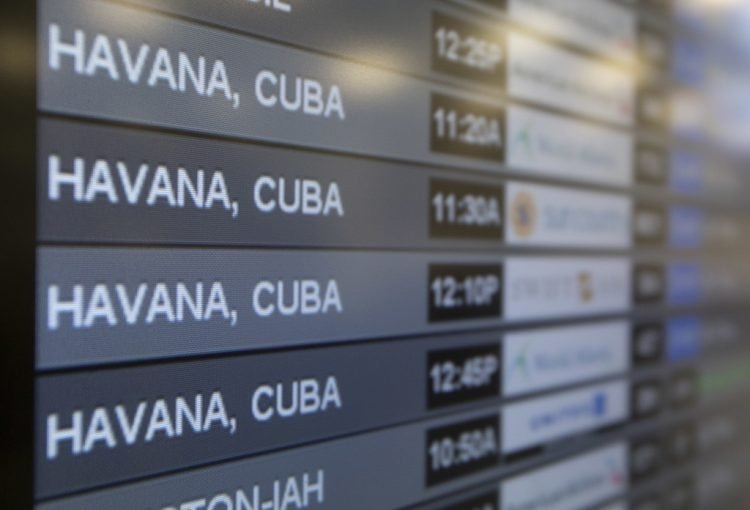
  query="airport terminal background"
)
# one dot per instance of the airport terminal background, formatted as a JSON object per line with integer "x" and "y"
{"x": 358, "y": 254}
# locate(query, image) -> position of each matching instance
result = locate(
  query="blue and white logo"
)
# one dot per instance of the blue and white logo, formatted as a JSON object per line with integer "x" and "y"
{"x": 533, "y": 422}
{"x": 548, "y": 358}
{"x": 594, "y": 407}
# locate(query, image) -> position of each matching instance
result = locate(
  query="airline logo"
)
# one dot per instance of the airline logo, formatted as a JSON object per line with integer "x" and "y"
{"x": 551, "y": 145}
{"x": 553, "y": 357}
{"x": 542, "y": 73}
{"x": 580, "y": 482}
{"x": 596, "y": 25}
{"x": 549, "y": 216}
{"x": 544, "y": 419}
{"x": 549, "y": 287}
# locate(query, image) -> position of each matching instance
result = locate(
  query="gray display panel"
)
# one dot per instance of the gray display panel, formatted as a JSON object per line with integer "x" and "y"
{"x": 158, "y": 418}
{"x": 242, "y": 231}
{"x": 98, "y": 305}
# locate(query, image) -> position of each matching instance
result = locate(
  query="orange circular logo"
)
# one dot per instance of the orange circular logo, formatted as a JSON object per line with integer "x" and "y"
{"x": 523, "y": 214}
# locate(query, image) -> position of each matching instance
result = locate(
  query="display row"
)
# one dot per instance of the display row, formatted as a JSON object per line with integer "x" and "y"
{"x": 394, "y": 468}
{"x": 98, "y": 305}
{"x": 104, "y": 184}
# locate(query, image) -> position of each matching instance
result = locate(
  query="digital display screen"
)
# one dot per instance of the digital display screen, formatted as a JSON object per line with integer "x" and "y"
{"x": 379, "y": 255}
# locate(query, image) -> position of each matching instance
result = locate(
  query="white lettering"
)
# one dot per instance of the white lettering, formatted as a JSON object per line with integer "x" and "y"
{"x": 302, "y": 94}
{"x": 177, "y": 71}
{"x": 56, "y": 435}
{"x": 147, "y": 303}
{"x": 278, "y": 5}
{"x": 300, "y": 397}
{"x": 57, "y": 178}
{"x": 59, "y": 49}
{"x": 307, "y": 196}
{"x": 178, "y": 188}
{"x": 303, "y": 297}
{"x": 127, "y": 425}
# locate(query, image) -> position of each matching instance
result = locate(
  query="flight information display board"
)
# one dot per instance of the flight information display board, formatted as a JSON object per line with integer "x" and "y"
{"x": 347, "y": 254}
